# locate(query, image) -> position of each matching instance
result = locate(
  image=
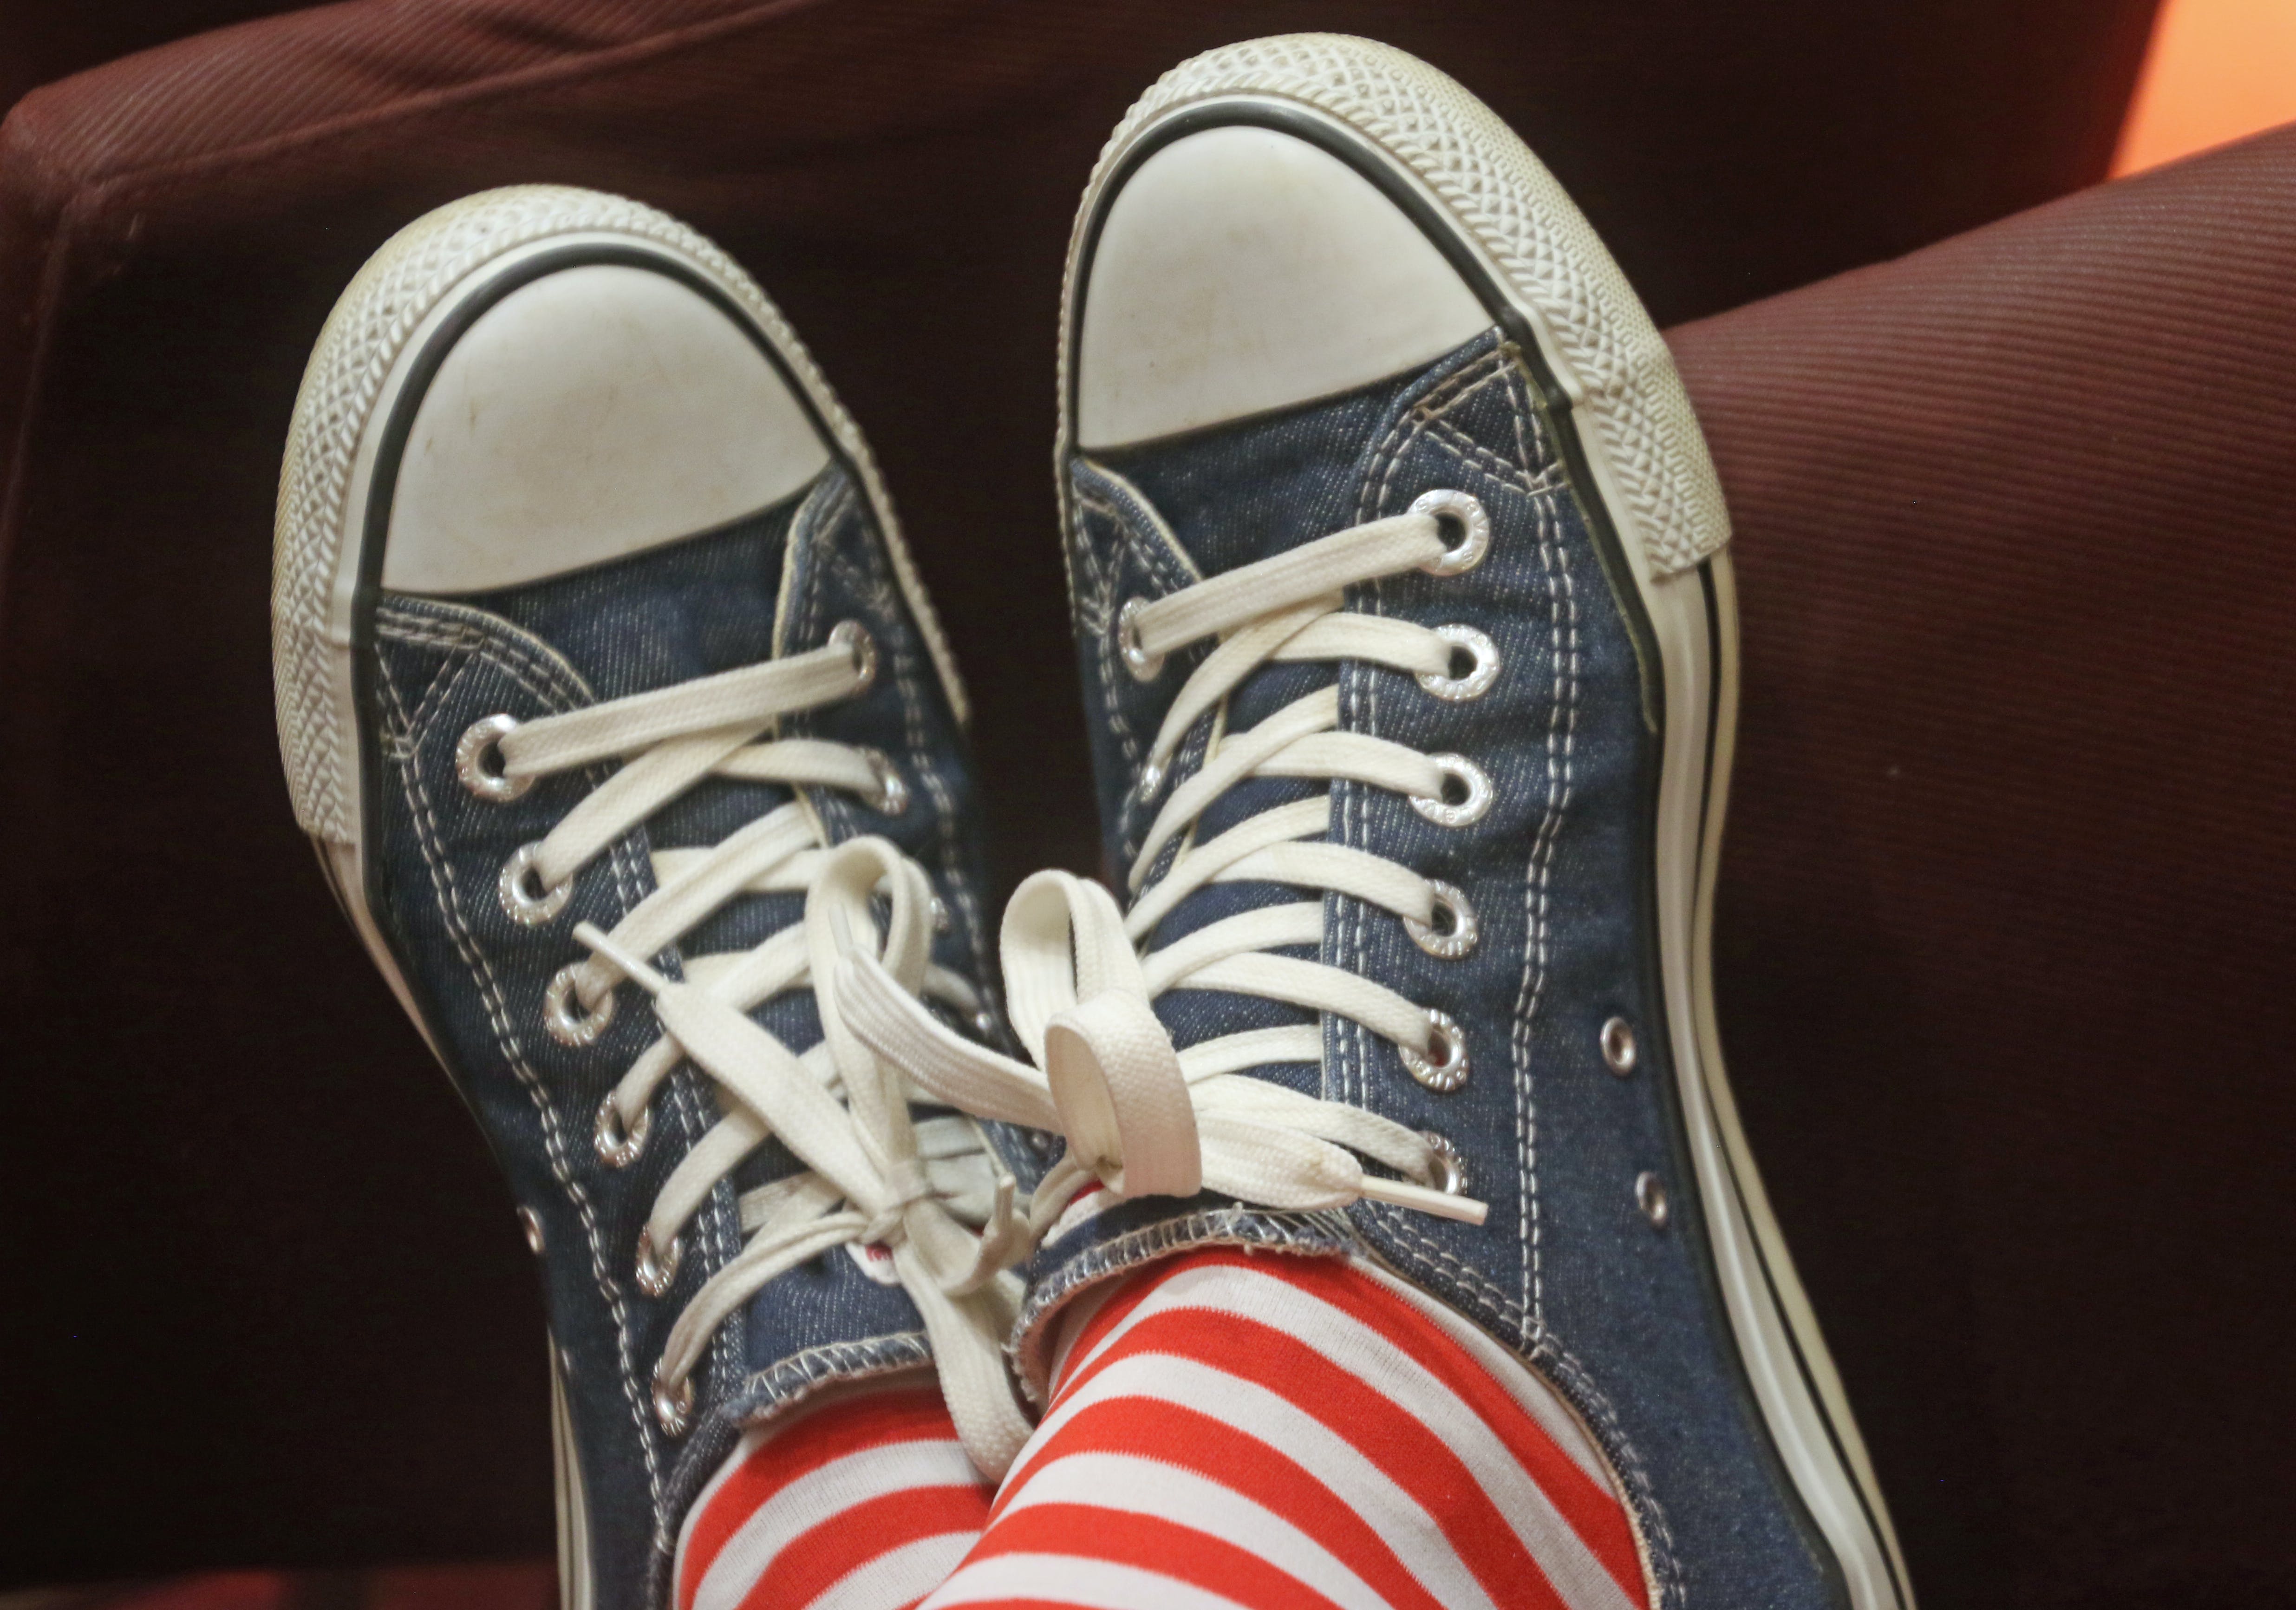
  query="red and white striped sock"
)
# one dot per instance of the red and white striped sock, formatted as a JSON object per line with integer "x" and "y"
{"x": 865, "y": 1502}
{"x": 1227, "y": 1432}
{"x": 1232, "y": 1430}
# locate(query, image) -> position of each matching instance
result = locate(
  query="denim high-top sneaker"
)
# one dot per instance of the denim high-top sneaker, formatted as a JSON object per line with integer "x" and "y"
{"x": 1408, "y": 643}
{"x": 603, "y": 674}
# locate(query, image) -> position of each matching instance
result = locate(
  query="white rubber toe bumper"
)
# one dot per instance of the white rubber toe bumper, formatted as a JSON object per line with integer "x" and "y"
{"x": 589, "y": 416}
{"x": 590, "y": 412}
{"x": 1241, "y": 270}
{"x": 1593, "y": 334}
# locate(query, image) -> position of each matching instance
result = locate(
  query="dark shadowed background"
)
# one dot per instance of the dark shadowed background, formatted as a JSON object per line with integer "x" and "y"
{"x": 2005, "y": 934}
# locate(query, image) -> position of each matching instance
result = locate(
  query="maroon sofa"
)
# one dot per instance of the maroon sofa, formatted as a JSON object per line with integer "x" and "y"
{"x": 2005, "y": 928}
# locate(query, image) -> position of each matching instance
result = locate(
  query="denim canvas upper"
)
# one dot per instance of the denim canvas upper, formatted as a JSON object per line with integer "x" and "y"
{"x": 1625, "y": 1318}
{"x": 777, "y": 582}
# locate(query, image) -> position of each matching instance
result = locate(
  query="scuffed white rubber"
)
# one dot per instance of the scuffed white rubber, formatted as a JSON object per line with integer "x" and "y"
{"x": 1242, "y": 270}
{"x": 356, "y": 368}
{"x": 1657, "y": 483}
{"x": 1510, "y": 208}
{"x": 591, "y": 414}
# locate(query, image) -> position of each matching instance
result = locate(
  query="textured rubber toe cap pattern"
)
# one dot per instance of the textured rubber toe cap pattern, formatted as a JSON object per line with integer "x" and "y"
{"x": 378, "y": 313}
{"x": 1514, "y": 209}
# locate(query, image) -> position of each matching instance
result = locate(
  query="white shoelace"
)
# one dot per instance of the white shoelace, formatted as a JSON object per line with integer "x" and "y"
{"x": 925, "y": 1191}
{"x": 1140, "y": 1116}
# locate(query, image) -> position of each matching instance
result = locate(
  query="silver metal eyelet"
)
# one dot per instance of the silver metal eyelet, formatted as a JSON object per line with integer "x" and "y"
{"x": 1480, "y": 676}
{"x": 673, "y": 1407}
{"x": 1650, "y": 1195}
{"x": 1446, "y": 1070}
{"x": 891, "y": 797}
{"x": 1475, "y": 783}
{"x": 854, "y": 639}
{"x": 1619, "y": 1046}
{"x": 1142, "y": 665}
{"x": 523, "y": 897}
{"x": 1474, "y": 525}
{"x": 1449, "y": 1167}
{"x": 530, "y": 1223}
{"x": 1152, "y": 780}
{"x": 657, "y": 1271}
{"x": 942, "y": 921}
{"x": 490, "y": 783}
{"x": 620, "y": 1147}
{"x": 558, "y": 1010}
{"x": 1454, "y": 938}
{"x": 984, "y": 1023}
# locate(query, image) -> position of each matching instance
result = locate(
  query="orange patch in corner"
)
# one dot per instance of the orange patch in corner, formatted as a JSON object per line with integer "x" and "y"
{"x": 2216, "y": 70}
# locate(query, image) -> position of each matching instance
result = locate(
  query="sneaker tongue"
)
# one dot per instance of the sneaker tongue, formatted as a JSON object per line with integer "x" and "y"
{"x": 1231, "y": 496}
{"x": 1241, "y": 492}
{"x": 682, "y": 609}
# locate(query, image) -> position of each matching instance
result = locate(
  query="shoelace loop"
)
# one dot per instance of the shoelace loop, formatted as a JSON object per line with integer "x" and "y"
{"x": 924, "y": 1190}
{"x": 1141, "y": 1117}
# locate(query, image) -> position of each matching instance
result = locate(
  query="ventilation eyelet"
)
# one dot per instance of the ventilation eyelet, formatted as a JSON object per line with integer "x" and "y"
{"x": 1619, "y": 1046}
{"x": 1650, "y": 1195}
{"x": 490, "y": 783}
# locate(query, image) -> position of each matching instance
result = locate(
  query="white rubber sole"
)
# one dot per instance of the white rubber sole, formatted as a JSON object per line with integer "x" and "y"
{"x": 373, "y": 342}
{"x": 413, "y": 284}
{"x": 1651, "y": 468}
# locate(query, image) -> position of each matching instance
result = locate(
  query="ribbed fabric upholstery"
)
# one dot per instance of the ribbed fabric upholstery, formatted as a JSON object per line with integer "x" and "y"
{"x": 2006, "y": 941}
{"x": 2007, "y": 1024}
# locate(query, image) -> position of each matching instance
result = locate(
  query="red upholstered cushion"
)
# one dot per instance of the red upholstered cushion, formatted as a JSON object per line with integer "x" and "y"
{"x": 2007, "y": 1018}
{"x": 2007, "y": 923}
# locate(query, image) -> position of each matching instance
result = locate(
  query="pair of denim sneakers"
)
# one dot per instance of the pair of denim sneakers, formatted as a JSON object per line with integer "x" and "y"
{"x": 1407, "y": 643}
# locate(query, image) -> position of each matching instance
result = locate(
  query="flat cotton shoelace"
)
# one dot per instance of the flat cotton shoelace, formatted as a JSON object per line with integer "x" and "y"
{"x": 926, "y": 1190}
{"x": 1141, "y": 1117}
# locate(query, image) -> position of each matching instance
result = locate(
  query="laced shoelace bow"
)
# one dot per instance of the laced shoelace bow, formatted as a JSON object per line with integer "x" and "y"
{"x": 924, "y": 1190}
{"x": 1140, "y": 1116}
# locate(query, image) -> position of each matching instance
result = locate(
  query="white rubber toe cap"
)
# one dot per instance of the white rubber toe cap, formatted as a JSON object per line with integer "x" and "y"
{"x": 1242, "y": 269}
{"x": 596, "y": 412}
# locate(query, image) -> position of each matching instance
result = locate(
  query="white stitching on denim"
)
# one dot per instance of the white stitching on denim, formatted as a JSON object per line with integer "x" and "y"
{"x": 429, "y": 838}
{"x": 1456, "y": 390}
{"x": 542, "y": 678}
{"x": 1238, "y": 1225}
{"x": 1561, "y": 735}
{"x": 1467, "y": 450}
{"x": 1166, "y": 570}
{"x": 920, "y": 756}
{"x": 1501, "y": 198}
{"x": 1098, "y": 617}
{"x": 442, "y": 688}
{"x": 535, "y": 673}
{"x": 773, "y": 1391}
{"x": 1626, "y": 1460}
{"x": 1409, "y": 424}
